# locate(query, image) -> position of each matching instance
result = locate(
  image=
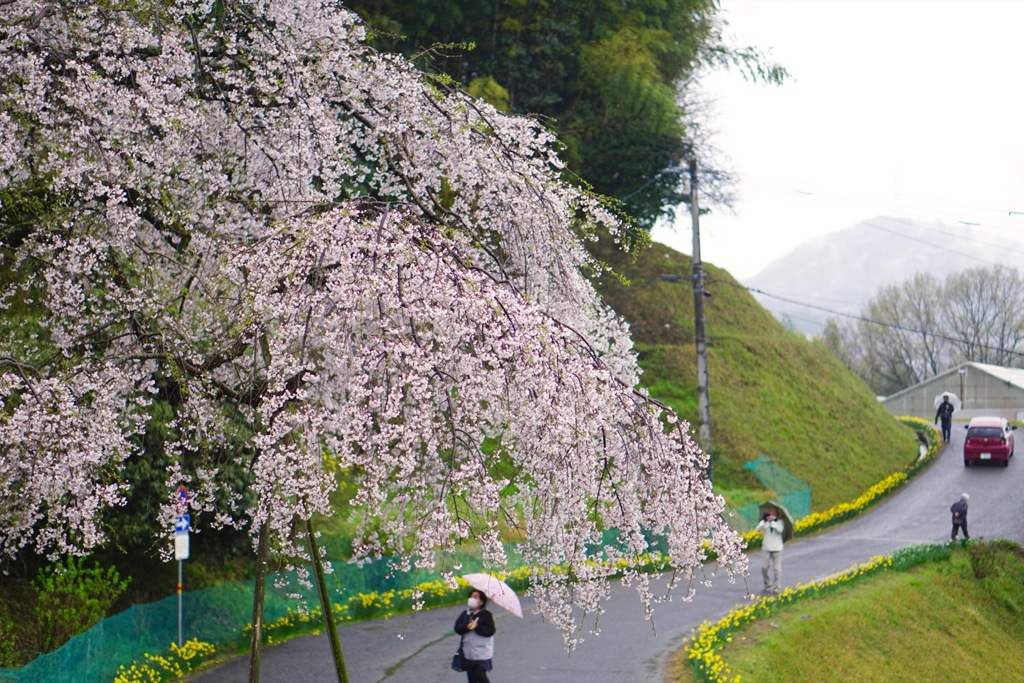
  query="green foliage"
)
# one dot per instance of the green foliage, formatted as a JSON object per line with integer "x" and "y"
{"x": 603, "y": 75}
{"x": 72, "y": 598}
{"x": 135, "y": 525}
{"x": 18, "y": 632}
{"x": 8, "y": 645}
{"x": 489, "y": 90}
{"x": 771, "y": 391}
{"x": 739, "y": 497}
{"x": 989, "y": 559}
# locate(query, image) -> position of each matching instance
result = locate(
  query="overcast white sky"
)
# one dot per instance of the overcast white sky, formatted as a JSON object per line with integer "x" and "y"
{"x": 911, "y": 108}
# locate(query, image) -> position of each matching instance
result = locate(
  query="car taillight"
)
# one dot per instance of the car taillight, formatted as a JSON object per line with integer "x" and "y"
{"x": 1002, "y": 440}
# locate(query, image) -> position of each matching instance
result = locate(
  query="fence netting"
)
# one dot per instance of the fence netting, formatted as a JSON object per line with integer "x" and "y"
{"x": 221, "y": 614}
{"x": 782, "y": 486}
{"x": 216, "y": 615}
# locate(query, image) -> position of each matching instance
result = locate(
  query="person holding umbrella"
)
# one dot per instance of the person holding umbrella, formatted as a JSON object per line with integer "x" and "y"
{"x": 773, "y": 531}
{"x": 944, "y": 412}
{"x": 476, "y": 626}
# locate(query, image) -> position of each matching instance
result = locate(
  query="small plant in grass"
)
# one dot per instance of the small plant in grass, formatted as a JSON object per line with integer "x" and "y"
{"x": 295, "y": 623}
{"x": 987, "y": 559}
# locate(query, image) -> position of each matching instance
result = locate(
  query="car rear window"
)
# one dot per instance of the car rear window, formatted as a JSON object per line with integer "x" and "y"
{"x": 984, "y": 433}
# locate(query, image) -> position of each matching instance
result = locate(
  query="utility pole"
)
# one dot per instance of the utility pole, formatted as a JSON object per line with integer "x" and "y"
{"x": 703, "y": 405}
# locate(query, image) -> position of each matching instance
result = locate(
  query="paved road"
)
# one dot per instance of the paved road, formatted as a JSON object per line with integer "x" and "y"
{"x": 418, "y": 648}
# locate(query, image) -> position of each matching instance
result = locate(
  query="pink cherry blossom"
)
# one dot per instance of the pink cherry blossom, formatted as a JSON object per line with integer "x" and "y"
{"x": 376, "y": 272}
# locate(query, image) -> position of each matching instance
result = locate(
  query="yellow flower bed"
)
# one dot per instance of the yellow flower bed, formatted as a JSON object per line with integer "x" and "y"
{"x": 702, "y": 649}
{"x": 175, "y": 664}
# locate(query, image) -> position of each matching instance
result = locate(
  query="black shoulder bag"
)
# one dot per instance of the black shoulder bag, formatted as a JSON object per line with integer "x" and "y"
{"x": 458, "y": 659}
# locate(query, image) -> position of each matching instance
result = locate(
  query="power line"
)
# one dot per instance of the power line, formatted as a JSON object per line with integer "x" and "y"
{"x": 921, "y": 241}
{"x": 916, "y": 331}
{"x": 972, "y": 240}
{"x": 916, "y": 203}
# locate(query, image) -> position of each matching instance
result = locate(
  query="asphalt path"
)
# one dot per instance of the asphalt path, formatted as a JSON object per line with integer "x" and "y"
{"x": 418, "y": 647}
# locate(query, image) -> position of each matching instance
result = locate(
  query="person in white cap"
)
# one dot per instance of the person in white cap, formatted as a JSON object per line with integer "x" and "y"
{"x": 959, "y": 510}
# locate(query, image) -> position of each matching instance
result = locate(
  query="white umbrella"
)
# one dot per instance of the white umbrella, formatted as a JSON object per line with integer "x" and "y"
{"x": 782, "y": 513}
{"x": 953, "y": 398}
{"x": 497, "y": 591}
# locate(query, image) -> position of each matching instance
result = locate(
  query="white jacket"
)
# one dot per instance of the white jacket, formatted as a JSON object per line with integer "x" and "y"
{"x": 772, "y": 532}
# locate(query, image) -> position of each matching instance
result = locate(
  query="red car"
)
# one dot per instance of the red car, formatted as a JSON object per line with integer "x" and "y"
{"x": 988, "y": 439}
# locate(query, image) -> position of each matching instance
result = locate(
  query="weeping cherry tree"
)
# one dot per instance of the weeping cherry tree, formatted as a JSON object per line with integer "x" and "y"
{"x": 327, "y": 262}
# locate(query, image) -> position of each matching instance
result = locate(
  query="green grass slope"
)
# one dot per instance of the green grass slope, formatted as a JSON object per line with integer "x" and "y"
{"x": 954, "y": 619}
{"x": 771, "y": 390}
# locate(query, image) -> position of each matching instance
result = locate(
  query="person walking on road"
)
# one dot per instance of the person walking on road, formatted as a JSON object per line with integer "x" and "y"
{"x": 772, "y": 529}
{"x": 959, "y": 510}
{"x": 945, "y": 413}
{"x": 476, "y": 626}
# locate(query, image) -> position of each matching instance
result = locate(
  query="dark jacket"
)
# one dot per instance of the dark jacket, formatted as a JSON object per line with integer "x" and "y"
{"x": 959, "y": 510}
{"x": 485, "y": 627}
{"x": 478, "y": 644}
{"x": 945, "y": 411}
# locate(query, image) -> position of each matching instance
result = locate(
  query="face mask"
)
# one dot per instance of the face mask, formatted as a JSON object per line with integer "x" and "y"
{"x": 473, "y": 603}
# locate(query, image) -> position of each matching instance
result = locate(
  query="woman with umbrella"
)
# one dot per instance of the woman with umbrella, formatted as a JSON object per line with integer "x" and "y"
{"x": 476, "y": 626}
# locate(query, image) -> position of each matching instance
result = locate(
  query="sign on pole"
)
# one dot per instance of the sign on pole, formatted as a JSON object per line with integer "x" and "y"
{"x": 181, "y": 537}
{"x": 181, "y": 527}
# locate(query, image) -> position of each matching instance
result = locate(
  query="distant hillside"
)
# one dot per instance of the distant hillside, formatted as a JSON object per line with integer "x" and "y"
{"x": 771, "y": 391}
{"x": 841, "y": 271}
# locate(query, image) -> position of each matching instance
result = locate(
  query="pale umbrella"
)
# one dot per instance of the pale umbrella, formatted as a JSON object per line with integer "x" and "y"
{"x": 497, "y": 591}
{"x": 782, "y": 513}
{"x": 953, "y": 398}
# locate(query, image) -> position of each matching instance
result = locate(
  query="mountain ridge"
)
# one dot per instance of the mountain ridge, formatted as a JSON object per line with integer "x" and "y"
{"x": 837, "y": 274}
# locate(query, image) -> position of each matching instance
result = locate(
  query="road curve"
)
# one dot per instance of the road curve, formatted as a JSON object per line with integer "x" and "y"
{"x": 417, "y": 648}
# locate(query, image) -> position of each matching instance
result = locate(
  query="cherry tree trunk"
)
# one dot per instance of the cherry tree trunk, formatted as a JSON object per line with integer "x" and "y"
{"x": 259, "y": 595}
{"x": 325, "y": 604}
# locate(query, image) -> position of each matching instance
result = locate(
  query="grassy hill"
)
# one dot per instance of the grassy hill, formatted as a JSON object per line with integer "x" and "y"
{"x": 771, "y": 390}
{"x": 957, "y": 616}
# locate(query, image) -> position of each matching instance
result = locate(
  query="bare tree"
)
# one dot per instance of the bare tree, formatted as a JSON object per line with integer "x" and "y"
{"x": 840, "y": 337}
{"x": 900, "y": 334}
{"x": 915, "y": 329}
{"x": 983, "y": 312}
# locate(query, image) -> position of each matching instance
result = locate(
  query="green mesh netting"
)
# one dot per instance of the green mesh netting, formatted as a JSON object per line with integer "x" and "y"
{"x": 216, "y": 615}
{"x": 792, "y": 492}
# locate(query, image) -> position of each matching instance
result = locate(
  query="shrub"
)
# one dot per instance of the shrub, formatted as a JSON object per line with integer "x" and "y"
{"x": 987, "y": 559}
{"x": 73, "y": 598}
{"x": 18, "y": 633}
{"x": 9, "y": 656}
